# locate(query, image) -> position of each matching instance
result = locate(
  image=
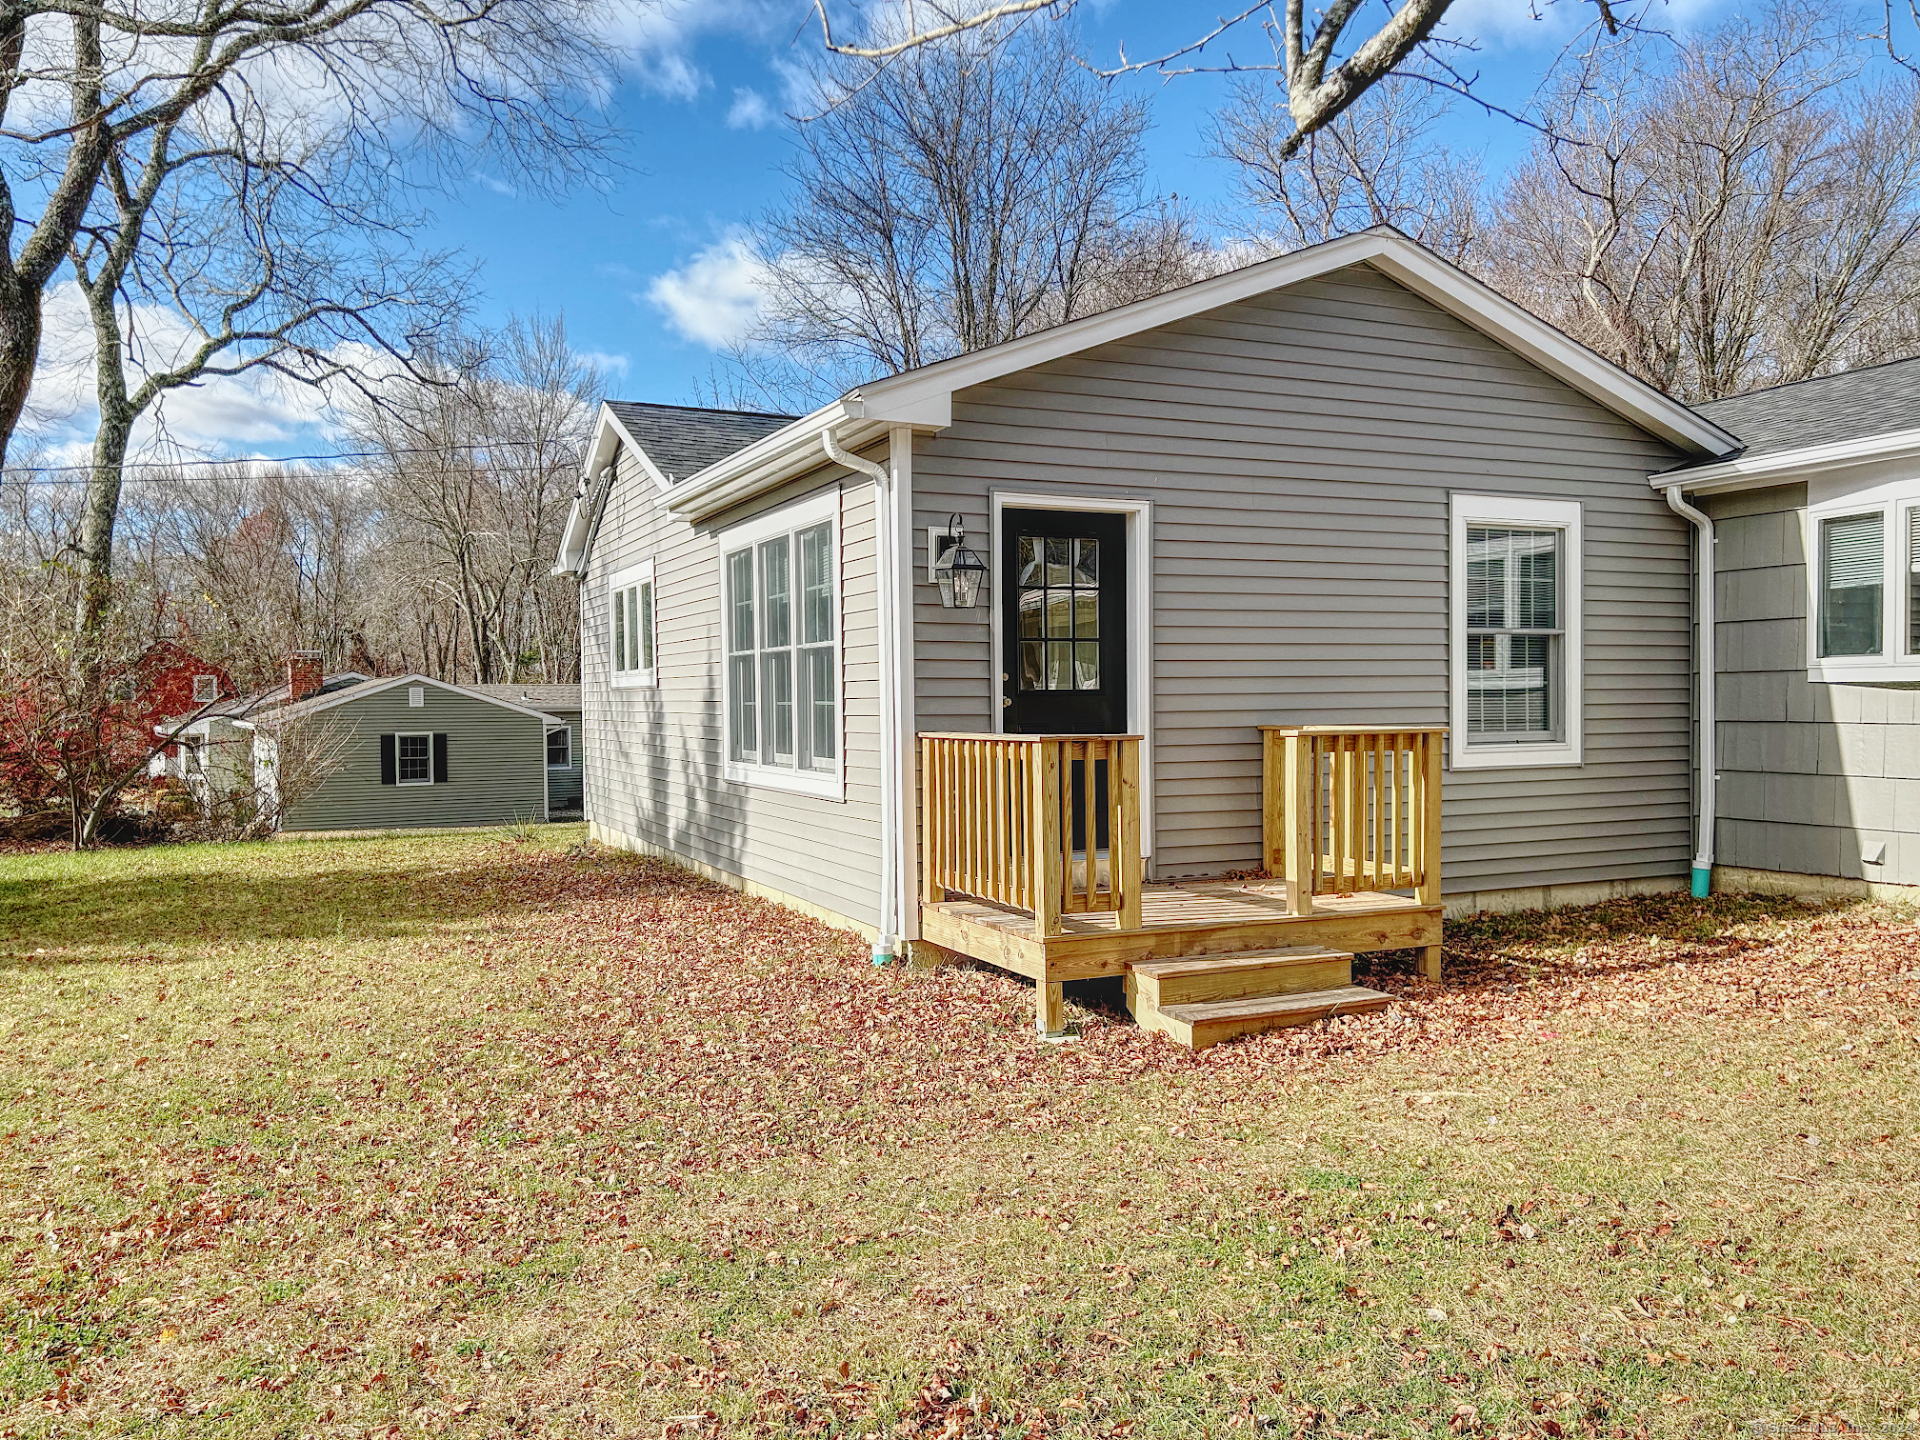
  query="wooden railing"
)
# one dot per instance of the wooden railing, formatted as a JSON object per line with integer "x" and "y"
{"x": 1348, "y": 809}
{"x": 1046, "y": 823}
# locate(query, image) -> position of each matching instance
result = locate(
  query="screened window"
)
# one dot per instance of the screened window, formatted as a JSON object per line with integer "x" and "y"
{"x": 1515, "y": 569}
{"x": 1852, "y": 584}
{"x": 781, "y": 629}
{"x": 413, "y": 759}
{"x": 630, "y": 616}
{"x": 1513, "y": 634}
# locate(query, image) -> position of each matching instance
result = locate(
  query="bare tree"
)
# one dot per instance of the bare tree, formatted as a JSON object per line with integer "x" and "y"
{"x": 473, "y": 478}
{"x": 1379, "y": 163}
{"x": 967, "y": 192}
{"x": 1325, "y": 63}
{"x": 1749, "y": 215}
{"x": 83, "y": 81}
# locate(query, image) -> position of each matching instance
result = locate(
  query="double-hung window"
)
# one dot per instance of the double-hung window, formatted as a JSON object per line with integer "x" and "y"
{"x": 630, "y": 625}
{"x": 1516, "y": 645}
{"x": 780, "y": 601}
{"x": 1863, "y": 573}
{"x": 413, "y": 759}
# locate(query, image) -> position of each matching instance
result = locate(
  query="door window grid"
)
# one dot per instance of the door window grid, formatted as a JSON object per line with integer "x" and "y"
{"x": 1513, "y": 631}
{"x": 1059, "y": 606}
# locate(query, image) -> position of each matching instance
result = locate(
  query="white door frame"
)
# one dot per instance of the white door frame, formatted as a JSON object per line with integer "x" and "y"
{"x": 1139, "y": 517}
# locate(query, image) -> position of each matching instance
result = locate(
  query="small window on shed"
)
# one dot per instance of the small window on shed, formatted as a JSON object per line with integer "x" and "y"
{"x": 206, "y": 688}
{"x": 417, "y": 696}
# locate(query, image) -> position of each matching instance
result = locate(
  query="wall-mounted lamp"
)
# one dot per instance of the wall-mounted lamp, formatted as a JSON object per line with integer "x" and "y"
{"x": 956, "y": 569}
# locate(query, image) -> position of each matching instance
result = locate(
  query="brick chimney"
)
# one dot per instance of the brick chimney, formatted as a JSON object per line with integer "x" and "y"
{"x": 304, "y": 675}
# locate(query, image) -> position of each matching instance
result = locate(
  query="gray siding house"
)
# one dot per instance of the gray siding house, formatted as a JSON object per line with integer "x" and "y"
{"x": 415, "y": 752}
{"x": 1267, "y": 620}
{"x": 564, "y": 764}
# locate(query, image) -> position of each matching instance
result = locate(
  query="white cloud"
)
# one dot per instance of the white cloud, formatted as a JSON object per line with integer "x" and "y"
{"x": 608, "y": 365}
{"x": 495, "y": 184}
{"x": 749, "y": 111}
{"x": 714, "y": 298}
{"x": 660, "y": 39}
{"x": 213, "y": 417}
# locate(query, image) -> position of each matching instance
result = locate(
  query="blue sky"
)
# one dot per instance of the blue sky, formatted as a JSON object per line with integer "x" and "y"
{"x": 647, "y": 269}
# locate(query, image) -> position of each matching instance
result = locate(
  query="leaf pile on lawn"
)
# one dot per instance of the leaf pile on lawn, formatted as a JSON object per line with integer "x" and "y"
{"x": 441, "y": 1135}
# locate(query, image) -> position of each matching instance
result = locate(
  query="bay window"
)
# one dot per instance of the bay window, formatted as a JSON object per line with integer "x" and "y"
{"x": 780, "y": 602}
{"x": 1515, "y": 609}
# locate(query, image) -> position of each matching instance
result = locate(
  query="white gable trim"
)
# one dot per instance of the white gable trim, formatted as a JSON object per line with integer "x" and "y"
{"x": 923, "y": 399}
{"x": 363, "y": 692}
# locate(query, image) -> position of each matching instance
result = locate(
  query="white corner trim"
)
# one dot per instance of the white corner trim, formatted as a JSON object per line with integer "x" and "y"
{"x": 823, "y": 505}
{"x": 1564, "y": 515}
{"x": 1139, "y": 517}
{"x": 638, "y": 574}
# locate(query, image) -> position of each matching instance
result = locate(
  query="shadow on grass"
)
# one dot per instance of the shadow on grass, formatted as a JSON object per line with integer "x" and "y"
{"x": 134, "y": 912}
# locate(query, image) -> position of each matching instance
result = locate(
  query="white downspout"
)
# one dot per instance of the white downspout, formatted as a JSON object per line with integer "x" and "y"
{"x": 1708, "y": 671}
{"x": 886, "y": 944}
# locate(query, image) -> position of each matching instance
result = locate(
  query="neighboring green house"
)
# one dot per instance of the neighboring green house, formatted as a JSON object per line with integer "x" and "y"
{"x": 563, "y": 746}
{"x": 418, "y": 752}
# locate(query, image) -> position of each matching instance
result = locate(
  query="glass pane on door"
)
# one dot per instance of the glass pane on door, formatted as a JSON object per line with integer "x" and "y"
{"x": 1059, "y": 600}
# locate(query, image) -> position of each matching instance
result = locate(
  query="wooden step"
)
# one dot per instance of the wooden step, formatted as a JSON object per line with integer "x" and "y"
{"x": 1201, "y": 1025}
{"x": 1284, "y": 970}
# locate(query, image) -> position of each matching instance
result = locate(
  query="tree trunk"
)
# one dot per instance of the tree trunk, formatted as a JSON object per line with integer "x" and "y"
{"x": 19, "y": 349}
{"x": 102, "y": 514}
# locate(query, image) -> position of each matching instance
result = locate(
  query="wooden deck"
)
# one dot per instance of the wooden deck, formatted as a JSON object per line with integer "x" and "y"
{"x": 1197, "y": 917}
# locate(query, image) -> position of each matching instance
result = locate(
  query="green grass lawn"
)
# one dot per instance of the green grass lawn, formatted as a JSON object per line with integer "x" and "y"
{"x": 458, "y": 1135}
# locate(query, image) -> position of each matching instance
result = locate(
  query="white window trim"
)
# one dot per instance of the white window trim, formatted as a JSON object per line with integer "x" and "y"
{"x": 800, "y": 515}
{"x": 1896, "y": 502}
{"x": 426, "y": 735}
{"x": 1564, "y": 515}
{"x": 566, "y": 730}
{"x": 641, "y": 574}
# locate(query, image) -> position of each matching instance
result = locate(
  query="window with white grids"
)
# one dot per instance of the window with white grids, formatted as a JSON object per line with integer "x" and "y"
{"x": 780, "y": 629}
{"x": 1515, "y": 602}
{"x": 630, "y": 625}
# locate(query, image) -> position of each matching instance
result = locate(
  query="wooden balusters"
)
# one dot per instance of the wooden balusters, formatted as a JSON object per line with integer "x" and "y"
{"x": 1350, "y": 809}
{"x": 1001, "y": 815}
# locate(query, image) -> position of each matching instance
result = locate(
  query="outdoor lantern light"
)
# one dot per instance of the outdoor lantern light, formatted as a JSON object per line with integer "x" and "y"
{"x": 957, "y": 570}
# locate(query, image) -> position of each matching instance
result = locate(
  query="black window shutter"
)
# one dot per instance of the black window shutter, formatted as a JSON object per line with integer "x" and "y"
{"x": 388, "y": 770}
{"x": 439, "y": 759}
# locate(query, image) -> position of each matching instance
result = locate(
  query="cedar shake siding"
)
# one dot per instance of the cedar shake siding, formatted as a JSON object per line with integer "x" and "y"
{"x": 1299, "y": 450}
{"x": 1812, "y": 775}
{"x": 654, "y": 755}
{"x": 496, "y": 765}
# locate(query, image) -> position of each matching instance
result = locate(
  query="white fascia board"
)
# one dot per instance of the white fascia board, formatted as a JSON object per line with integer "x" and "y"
{"x": 790, "y": 451}
{"x": 1760, "y": 471}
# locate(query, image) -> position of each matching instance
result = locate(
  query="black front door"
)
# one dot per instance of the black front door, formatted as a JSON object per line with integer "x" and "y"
{"x": 1063, "y": 626}
{"x": 1063, "y": 622}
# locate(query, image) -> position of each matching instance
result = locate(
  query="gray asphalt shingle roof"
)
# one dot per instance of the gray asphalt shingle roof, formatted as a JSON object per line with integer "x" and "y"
{"x": 1874, "y": 400}
{"x": 550, "y": 698}
{"x": 684, "y": 439}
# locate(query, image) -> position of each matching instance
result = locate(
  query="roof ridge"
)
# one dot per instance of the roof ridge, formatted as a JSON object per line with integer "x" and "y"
{"x": 707, "y": 409}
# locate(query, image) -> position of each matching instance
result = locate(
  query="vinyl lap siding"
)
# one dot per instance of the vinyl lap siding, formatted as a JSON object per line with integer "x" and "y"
{"x": 1810, "y": 773}
{"x": 654, "y": 756}
{"x": 563, "y": 786}
{"x": 496, "y": 766}
{"x": 1300, "y": 450}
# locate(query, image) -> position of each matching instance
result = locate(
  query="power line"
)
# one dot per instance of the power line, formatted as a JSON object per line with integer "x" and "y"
{"x": 288, "y": 459}
{"x": 81, "y": 473}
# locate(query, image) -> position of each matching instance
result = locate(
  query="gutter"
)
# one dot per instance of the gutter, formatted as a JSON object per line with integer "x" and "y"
{"x": 885, "y": 501}
{"x": 1707, "y": 670}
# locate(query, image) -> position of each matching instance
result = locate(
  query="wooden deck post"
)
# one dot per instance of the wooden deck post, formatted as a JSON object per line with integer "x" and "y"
{"x": 932, "y": 826}
{"x": 1430, "y": 846}
{"x": 1048, "y": 870}
{"x": 1050, "y": 1010}
{"x": 1302, "y": 787}
{"x": 1123, "y": 847}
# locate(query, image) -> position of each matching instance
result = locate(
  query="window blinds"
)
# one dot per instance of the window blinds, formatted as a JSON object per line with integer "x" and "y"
{"x": 1854, "y": 550}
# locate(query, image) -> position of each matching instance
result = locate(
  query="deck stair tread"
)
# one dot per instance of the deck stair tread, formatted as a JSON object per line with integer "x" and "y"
{"x": 1271, "y": 970}
{"x": 1202, "y": 1024}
